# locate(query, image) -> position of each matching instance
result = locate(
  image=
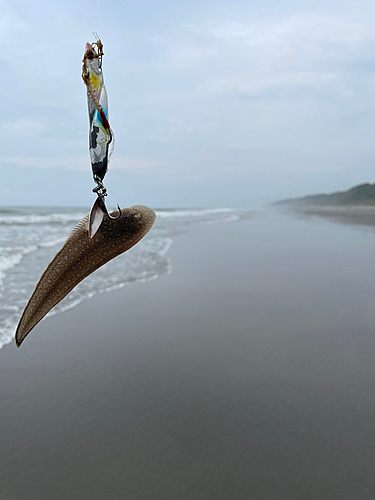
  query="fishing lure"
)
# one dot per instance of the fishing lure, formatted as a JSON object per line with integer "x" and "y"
{"x": 99, "y": 236}
{"x": 101, "y": 138}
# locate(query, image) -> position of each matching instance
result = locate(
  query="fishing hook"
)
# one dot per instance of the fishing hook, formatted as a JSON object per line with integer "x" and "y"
{"x": 101, "y": 192}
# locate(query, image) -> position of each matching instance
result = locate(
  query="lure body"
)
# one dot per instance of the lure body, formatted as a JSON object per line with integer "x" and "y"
{"x": 80, "y": 256}
{"x": 101, "y": 139}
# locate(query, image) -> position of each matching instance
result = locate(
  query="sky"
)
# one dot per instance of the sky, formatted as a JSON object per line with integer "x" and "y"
{"x": 213, "y": 104}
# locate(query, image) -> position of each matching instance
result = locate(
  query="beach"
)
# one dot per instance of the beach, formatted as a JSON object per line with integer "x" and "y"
{"x": 247, "y": 372}
{"x": 362, "y": 215}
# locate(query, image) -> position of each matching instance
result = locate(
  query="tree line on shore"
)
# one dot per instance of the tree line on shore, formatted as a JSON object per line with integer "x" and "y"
{"x": 364, "y": 194}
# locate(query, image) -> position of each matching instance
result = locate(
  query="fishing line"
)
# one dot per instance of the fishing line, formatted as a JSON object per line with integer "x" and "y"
{"x": 98, "y": 14}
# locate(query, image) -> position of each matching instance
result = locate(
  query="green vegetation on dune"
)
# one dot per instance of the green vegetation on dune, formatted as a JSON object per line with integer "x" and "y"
{"x": 364, "y": 194}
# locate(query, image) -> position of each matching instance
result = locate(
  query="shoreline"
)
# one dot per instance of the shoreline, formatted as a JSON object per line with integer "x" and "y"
{"x": 362, "y": 215}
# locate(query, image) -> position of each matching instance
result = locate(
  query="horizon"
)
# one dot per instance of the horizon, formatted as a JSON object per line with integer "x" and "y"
{"x": 190, "y": 207}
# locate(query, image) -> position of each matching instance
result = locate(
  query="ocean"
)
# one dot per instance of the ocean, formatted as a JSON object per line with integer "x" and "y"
{"x": 31, "y": 236}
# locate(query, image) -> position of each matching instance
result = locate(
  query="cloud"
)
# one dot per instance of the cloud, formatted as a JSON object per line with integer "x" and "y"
{"x": 59, "y": 162}
{"x": 249, "y": 92}
{"x": 307, "y": 50}
{"x": 82, "y": 163}
{"x": 26, "y": 126}
{"x": 134, "y": 165}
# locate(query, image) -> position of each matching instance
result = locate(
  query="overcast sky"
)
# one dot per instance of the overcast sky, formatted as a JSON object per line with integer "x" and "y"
{"x": 213, "y": 103}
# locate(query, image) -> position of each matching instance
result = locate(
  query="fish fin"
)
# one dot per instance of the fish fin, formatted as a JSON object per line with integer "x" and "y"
{"x": 95, "y": 217}
{"x": 82, "y": 225}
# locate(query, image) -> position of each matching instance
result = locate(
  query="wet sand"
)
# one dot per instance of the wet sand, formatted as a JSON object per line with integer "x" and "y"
{"x": 248, "y": 373}
{"x": 357, "y": 214}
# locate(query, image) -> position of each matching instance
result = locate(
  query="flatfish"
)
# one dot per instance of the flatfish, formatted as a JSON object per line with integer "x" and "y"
{"x": 80, "y": 256}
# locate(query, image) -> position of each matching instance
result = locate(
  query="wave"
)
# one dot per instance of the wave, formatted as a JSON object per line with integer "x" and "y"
{"x": 147, "y": 262}
{"x": 10, "y": 257}
{"x": 7, "y": 333}
{"x": 192, "y": 213}
{"x": 15, "y": 218}
{"x": 23, "y": 220}
{"x": 5, "y": 339}
{"x": 231, "y": 218}
{"x": 112, "y": 288}
{"x": 159, "y": 245}
{"x": 52, "y": 243}
{"x": 9, "y": 211}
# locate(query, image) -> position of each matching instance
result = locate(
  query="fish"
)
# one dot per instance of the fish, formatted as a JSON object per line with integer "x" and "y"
{"x": 80, "y": 256}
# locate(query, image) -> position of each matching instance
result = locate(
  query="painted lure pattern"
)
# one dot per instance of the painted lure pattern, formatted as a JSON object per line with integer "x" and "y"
{"x": 101, "y": 138}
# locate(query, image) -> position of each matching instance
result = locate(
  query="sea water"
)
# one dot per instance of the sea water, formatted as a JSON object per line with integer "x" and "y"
{"x": 31, "y": 236}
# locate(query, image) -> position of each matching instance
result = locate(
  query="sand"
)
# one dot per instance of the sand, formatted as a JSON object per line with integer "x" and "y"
{"x": 357, "y": 214}
{"x": 220, "y": 381}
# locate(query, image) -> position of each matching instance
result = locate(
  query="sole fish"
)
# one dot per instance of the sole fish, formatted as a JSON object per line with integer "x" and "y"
{"x": 80, "y": 256}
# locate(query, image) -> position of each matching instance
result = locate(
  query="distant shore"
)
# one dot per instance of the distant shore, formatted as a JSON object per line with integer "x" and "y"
{"x": 363, "y": 215}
